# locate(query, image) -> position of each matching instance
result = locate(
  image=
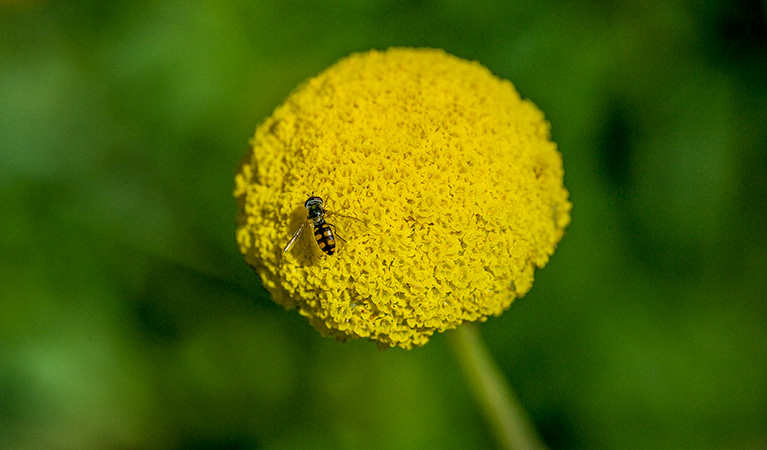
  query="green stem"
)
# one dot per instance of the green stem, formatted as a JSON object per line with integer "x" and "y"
{"x": 509, "y": 421}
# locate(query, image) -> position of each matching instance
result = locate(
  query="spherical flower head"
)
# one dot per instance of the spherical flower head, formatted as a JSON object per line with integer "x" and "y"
{"x": 441, "y": 189}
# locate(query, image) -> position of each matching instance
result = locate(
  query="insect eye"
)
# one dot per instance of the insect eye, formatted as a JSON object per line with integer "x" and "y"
{"x": 313, "y": 201}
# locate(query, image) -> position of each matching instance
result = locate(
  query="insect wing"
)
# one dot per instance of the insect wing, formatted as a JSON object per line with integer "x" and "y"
{"x": 295, "y": 237}
{"x": 331, "y": 214}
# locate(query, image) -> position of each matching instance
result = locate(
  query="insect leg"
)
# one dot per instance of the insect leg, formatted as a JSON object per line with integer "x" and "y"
{"x": 335, "y": 233}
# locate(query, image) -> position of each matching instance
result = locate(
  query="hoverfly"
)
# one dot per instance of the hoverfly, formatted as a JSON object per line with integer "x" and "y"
{"x": 323, "y": 231}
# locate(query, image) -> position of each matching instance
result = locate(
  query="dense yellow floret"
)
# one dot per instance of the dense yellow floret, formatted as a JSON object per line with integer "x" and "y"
{"x": 446, "y": 188}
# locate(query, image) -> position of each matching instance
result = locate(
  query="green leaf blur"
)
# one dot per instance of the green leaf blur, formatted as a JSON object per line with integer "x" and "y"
{"x": 128, "y": 319}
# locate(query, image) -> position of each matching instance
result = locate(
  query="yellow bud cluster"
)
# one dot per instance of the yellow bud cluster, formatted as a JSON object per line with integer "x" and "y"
{"x": 441, "y": 184}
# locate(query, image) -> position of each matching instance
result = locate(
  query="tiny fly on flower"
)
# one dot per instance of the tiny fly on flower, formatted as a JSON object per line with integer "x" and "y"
{"x": 324, "y": 233}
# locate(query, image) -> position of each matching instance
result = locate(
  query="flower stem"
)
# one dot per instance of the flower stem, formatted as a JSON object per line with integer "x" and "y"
{"x": 507, "y": 418}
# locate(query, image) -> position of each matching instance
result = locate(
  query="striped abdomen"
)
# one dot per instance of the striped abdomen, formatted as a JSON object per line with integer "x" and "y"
{"x": 325, "y": 239}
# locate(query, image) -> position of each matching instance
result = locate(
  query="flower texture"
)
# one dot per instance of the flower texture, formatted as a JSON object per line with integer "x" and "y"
{"x": 441, "y": 184}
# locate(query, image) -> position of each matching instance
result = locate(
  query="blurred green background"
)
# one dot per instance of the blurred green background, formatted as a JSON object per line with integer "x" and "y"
{"x": 129, "y": 321}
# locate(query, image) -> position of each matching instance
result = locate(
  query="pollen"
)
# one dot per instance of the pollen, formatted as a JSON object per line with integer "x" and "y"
{"x": 442, "y": 186}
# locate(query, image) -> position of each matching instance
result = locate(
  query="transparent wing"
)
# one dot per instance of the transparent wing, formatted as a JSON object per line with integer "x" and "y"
{"x": 331, "y": 214}
{"x": 295, "y": 237}
{"x": 334, "y": 213}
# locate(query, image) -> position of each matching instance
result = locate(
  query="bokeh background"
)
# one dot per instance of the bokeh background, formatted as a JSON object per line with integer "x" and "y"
{"x": 129, "y": 321}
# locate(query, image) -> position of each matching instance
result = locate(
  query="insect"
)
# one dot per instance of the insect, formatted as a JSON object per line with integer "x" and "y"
{"x": 323, "y": 233}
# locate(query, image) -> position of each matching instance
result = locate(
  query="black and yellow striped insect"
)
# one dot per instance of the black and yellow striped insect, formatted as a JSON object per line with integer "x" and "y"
{"x": 323, "y": 233}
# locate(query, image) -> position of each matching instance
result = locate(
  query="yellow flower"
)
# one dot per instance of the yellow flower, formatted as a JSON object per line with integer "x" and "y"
{"x": 442, "y": 184}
